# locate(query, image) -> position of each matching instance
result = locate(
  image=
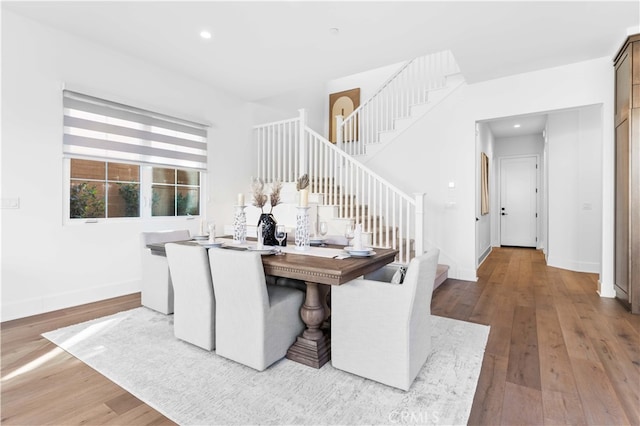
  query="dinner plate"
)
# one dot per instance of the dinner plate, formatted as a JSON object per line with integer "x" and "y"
{"x": 200, "y": 237}
{"x": 263, "y": 251}
{"x": 360, "y": 252}
{"x": 317, "y": 241}
{"x": 207, "y": 243}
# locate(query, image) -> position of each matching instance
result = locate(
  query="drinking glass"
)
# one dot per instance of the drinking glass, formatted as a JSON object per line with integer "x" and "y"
{"x": 324, "y": 228}
{"x": 349, "y": 233}
{"x": 280, "y": 235}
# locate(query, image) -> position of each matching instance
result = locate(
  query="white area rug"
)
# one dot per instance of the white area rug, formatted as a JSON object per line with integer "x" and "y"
{"x": 137, "y": 350}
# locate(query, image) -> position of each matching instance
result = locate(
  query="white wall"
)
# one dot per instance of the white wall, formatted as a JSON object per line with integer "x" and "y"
{"x": 47, "y": 265}
{"x": 286, "y": 105}
{"x": 486, "y": 144}
{"x": 440, "y": 149}
{"x": 575, "y": 189}
{"x": 315, "y": 100}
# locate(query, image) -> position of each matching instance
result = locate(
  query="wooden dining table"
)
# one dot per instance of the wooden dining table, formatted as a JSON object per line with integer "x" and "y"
{"x": 313, "y": 346}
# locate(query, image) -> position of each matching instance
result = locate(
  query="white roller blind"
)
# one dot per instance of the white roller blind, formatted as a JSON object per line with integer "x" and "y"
{"x": 108, "y": 130}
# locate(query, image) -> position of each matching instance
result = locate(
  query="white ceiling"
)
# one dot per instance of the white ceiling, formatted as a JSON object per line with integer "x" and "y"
{"x": 261, "y": 49}
{"x": 528, "y": 125}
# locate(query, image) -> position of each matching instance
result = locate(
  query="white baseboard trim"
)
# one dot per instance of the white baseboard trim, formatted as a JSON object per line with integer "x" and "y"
{"x": 463, "y": 274}
{"x": 606, "y": 290}
{"x": 573, "y": 265}
{"x": 48, "y": 303}
{"x": 484, "y": 255}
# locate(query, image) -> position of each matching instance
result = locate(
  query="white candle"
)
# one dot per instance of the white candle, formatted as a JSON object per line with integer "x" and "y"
{"x": 304, "y": 197}
{"x": 241, "y": 199}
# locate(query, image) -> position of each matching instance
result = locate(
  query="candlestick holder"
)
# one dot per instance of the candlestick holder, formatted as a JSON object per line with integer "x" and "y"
{"x": 302, "y": 228}
{"x": 239, "y": 225}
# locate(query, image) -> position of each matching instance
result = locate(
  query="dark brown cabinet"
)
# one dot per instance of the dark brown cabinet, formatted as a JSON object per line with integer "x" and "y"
{"x": 627, "y": 173}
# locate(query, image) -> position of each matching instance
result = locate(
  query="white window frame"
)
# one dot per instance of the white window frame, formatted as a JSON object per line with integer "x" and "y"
{"x": 146, "y": 183}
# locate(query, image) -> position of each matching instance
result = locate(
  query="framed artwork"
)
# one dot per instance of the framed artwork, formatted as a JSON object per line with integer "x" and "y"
{"x": 484, "y": 184}
{"x": 343, "y": 103}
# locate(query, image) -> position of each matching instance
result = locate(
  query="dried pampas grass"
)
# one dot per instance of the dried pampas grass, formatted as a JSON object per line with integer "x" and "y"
{"x": 276, "y": 187}
{"x": 303, "y": 182}
{"x": 259, "y": 197}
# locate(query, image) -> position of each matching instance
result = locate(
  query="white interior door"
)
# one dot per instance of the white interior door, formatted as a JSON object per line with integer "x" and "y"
{"x": 518, "y": 201}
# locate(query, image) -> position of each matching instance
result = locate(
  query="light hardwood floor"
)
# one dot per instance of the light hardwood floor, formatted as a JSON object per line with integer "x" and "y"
{"x": 557, "y": 354}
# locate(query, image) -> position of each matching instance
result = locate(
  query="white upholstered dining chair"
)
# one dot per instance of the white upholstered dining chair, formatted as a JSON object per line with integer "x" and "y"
{"x": 156, "y": 287}
{"x": 255, "y": 323}
{"x": 381, "y": 331}
{"x": 194, "y": 300}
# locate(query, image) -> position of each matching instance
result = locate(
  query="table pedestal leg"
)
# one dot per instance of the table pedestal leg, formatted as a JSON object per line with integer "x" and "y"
{"x": 312, "y": 348}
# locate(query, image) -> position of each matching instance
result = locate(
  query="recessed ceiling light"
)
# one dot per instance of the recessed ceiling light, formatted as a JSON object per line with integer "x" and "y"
{"x": 205, "y": 34}
{"x": 334, "y": 31}
{"x": 516, "y": 126}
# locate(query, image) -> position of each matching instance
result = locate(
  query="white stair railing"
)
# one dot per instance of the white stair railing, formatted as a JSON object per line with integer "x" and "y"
{"x": 279, "y": 150}
{"x": 409, "y": 86}
{"x": 287, "y": 149}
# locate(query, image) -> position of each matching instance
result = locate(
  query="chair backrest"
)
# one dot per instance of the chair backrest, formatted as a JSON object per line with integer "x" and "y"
{"x": 165, "y": 236}
{"x": 420, "y": 276}
{"x": 239, "y": 281}
{"x": 194, "y": 301}
{"x": 189, "y": 267}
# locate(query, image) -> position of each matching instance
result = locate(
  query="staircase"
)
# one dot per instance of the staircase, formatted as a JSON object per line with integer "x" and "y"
{"x": 343, "y": 188}
{"x": 407, "y": 95}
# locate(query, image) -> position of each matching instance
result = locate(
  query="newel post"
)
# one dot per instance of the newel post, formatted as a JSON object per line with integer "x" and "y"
{"x": 303, "y": 157}
{"x": 419, "y": 223}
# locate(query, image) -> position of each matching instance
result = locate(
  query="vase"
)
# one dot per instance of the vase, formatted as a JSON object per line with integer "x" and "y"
{"x": 268, "y": 229}
{"x": 239, "y": 226}
{"x": 302, "y": 228}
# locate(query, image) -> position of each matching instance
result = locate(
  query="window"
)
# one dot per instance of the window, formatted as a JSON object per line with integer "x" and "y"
{"x": 125, "y": 162}
{"x": 100, "y": 189}
{"x": 175, "y": 192}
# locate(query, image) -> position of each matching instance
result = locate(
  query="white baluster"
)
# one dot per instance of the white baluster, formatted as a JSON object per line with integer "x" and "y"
{"x": 339, "y": 132}
{"x": 419, "y": 223}
{"x": 302, "y": 143}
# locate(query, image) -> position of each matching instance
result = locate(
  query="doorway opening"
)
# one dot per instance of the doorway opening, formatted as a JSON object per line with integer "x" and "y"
{"x": 515, "y": 147}
{"x": 550, "y": 165}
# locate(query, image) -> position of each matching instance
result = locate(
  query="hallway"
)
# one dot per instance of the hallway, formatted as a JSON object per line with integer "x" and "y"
{"x": 557, "y": 352}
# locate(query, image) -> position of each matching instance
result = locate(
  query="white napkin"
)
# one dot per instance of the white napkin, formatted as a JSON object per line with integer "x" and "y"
{"x": 357, "y": 237}
{"x": 259, "y": 245}
{"x": 212, "y": 232}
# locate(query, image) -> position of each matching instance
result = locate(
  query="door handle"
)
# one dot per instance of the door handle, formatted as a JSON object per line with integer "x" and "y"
{"x": 504, "y": 214}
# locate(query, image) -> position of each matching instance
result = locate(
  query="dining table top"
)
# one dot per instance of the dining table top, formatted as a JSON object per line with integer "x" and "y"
{"x": 324, "y": 270}
{"x": 316, "y": 264}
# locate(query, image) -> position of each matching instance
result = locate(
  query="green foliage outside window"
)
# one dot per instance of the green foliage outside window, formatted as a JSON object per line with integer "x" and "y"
{"x": 130, "y": 193}
{"x": 85, "y": 202}
{"x": 187, "y": 205}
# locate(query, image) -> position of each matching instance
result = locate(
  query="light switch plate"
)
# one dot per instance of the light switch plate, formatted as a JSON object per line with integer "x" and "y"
{"x": 11, "y": 203}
